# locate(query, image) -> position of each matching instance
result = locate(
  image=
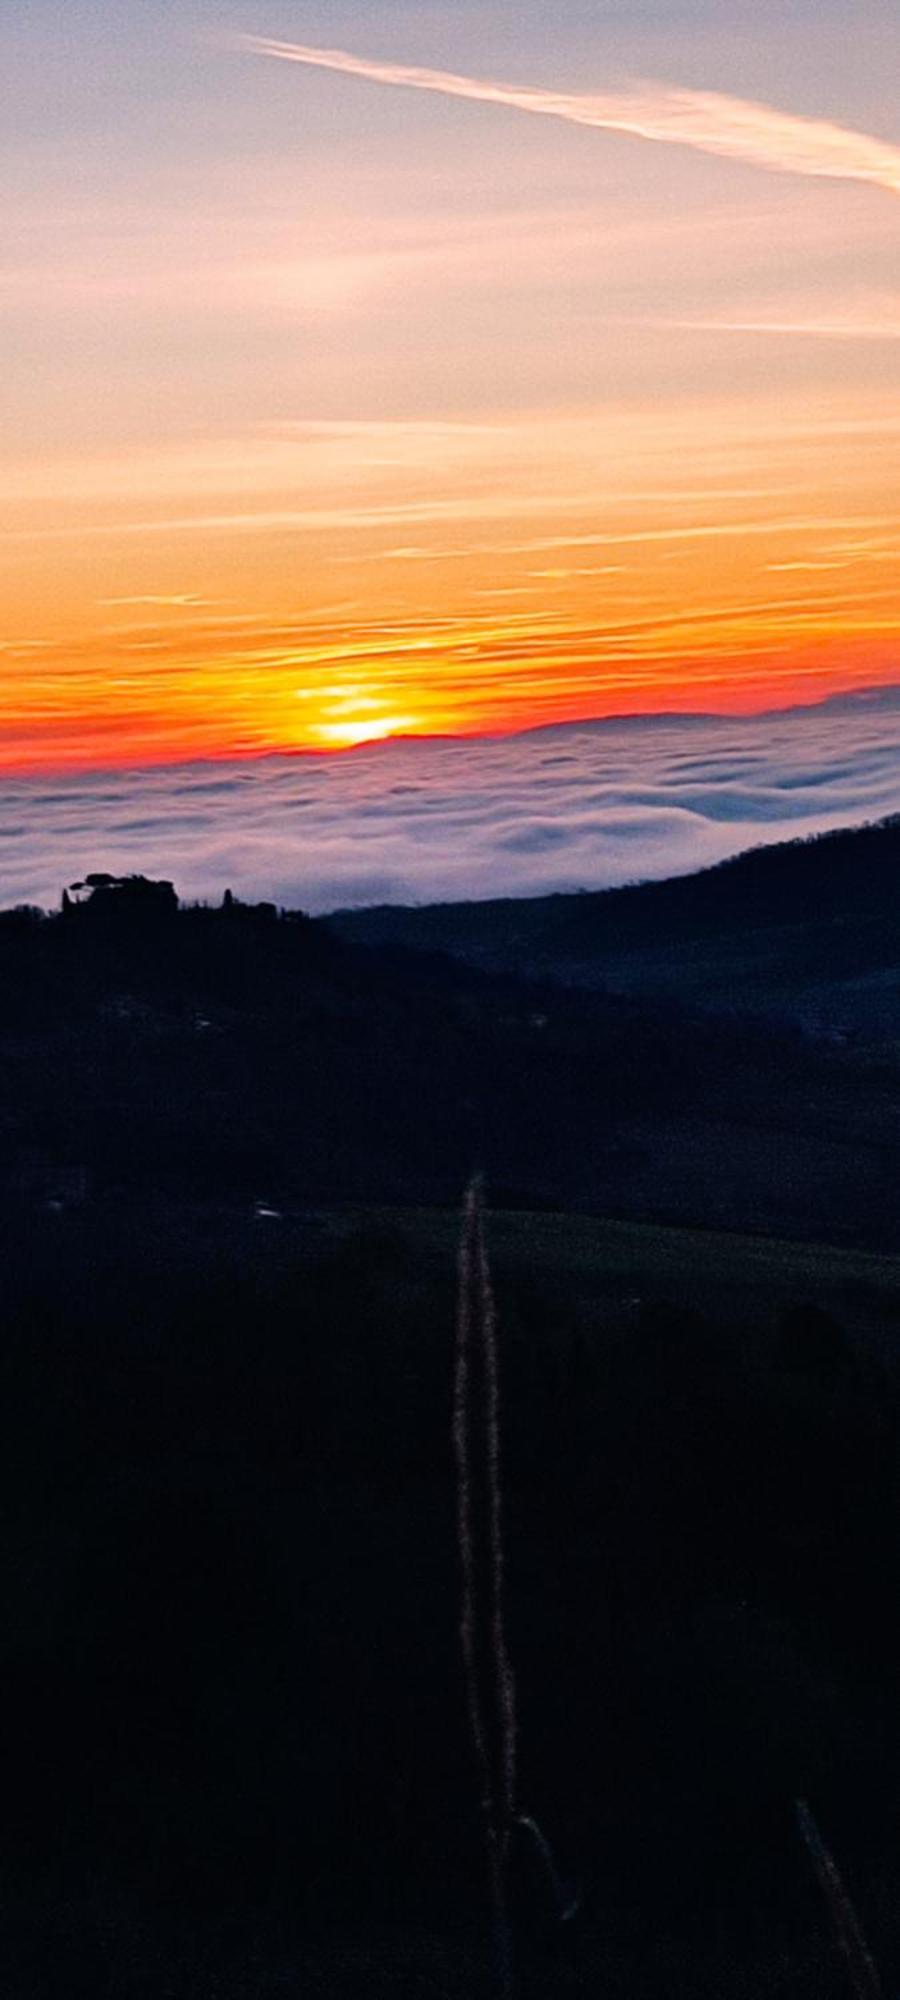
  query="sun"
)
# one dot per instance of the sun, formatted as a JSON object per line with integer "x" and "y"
{"x": 353, "y": 730}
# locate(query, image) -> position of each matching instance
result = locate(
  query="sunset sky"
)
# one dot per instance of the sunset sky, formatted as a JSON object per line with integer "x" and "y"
{"x": 506, "y": 364}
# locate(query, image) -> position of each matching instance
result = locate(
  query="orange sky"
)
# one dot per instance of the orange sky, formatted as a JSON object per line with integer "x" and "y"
{"x": 318, "y": 434}
{"x": 240, "y": 598}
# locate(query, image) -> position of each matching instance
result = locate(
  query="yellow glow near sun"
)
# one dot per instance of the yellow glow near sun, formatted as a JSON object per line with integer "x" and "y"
{"x": 344, "y": 735}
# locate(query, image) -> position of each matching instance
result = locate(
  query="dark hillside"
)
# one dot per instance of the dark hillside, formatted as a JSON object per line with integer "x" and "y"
{"x": 237, "y": 1055}
{"x": 810, "y": 929}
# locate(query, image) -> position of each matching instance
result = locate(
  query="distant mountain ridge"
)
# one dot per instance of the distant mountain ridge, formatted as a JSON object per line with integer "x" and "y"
{"x": 855, "y": 701}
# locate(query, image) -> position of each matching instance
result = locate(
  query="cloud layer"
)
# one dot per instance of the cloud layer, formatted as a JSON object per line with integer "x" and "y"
{"x": 584, "y": 805}
{"x": 755, "y": 134}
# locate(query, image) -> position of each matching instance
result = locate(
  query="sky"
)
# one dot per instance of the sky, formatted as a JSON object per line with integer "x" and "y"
{"x": 383, "y": 367}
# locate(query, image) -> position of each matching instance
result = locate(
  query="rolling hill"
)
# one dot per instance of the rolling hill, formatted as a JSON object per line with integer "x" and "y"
{"x": 232, "y": 1055}
{"x": 807, "y": 931}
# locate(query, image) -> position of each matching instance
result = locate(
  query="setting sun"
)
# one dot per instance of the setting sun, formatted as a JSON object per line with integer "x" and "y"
{"x": 346, "y": 735}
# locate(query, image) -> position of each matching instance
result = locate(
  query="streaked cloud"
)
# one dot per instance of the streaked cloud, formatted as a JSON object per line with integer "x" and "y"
{"x": 644, "y": 537}
{"x": 472, "y": 507}
{"x": 837, "y": 562}
{"x": 754, "y": 134}
{"x": 884, "y": 326}
{"x": 185, "y": 602}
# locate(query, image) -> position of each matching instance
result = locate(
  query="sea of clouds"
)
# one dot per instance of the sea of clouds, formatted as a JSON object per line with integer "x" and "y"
{"x": 586, "y": 805}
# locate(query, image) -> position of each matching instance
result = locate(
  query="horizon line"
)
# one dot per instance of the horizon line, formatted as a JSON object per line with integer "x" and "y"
{"x": 40, "y": 774}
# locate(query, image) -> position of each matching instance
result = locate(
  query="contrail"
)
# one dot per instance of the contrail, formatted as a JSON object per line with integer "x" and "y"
{"x": 754, "y": 134}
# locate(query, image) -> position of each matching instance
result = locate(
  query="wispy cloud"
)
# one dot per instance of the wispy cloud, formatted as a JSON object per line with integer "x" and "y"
{"x": 702, "y": 531}
{"x": 842, "y": 562}
{"x": 755, "y": 134}
{"x": 187, "y": 601}
{"x": 882, "y": 327}
{"x": 469, "y": 508}
{"x": 852, "y": 561}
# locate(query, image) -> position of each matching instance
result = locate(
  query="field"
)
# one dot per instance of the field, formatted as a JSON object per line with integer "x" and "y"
{"x": 230, "y": 1646}
{"x": 750, "y": 1276}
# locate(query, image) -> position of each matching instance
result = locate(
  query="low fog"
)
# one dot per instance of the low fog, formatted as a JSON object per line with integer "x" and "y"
{"x": 589, "y": 805}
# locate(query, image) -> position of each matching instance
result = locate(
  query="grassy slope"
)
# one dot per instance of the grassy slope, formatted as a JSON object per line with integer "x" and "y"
{"x": 697, "y": 1267}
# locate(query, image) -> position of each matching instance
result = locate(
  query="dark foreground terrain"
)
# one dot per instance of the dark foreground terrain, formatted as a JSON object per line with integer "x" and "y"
{"x": 231, "y": 1054}
{"x": 233, "y": 1736}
